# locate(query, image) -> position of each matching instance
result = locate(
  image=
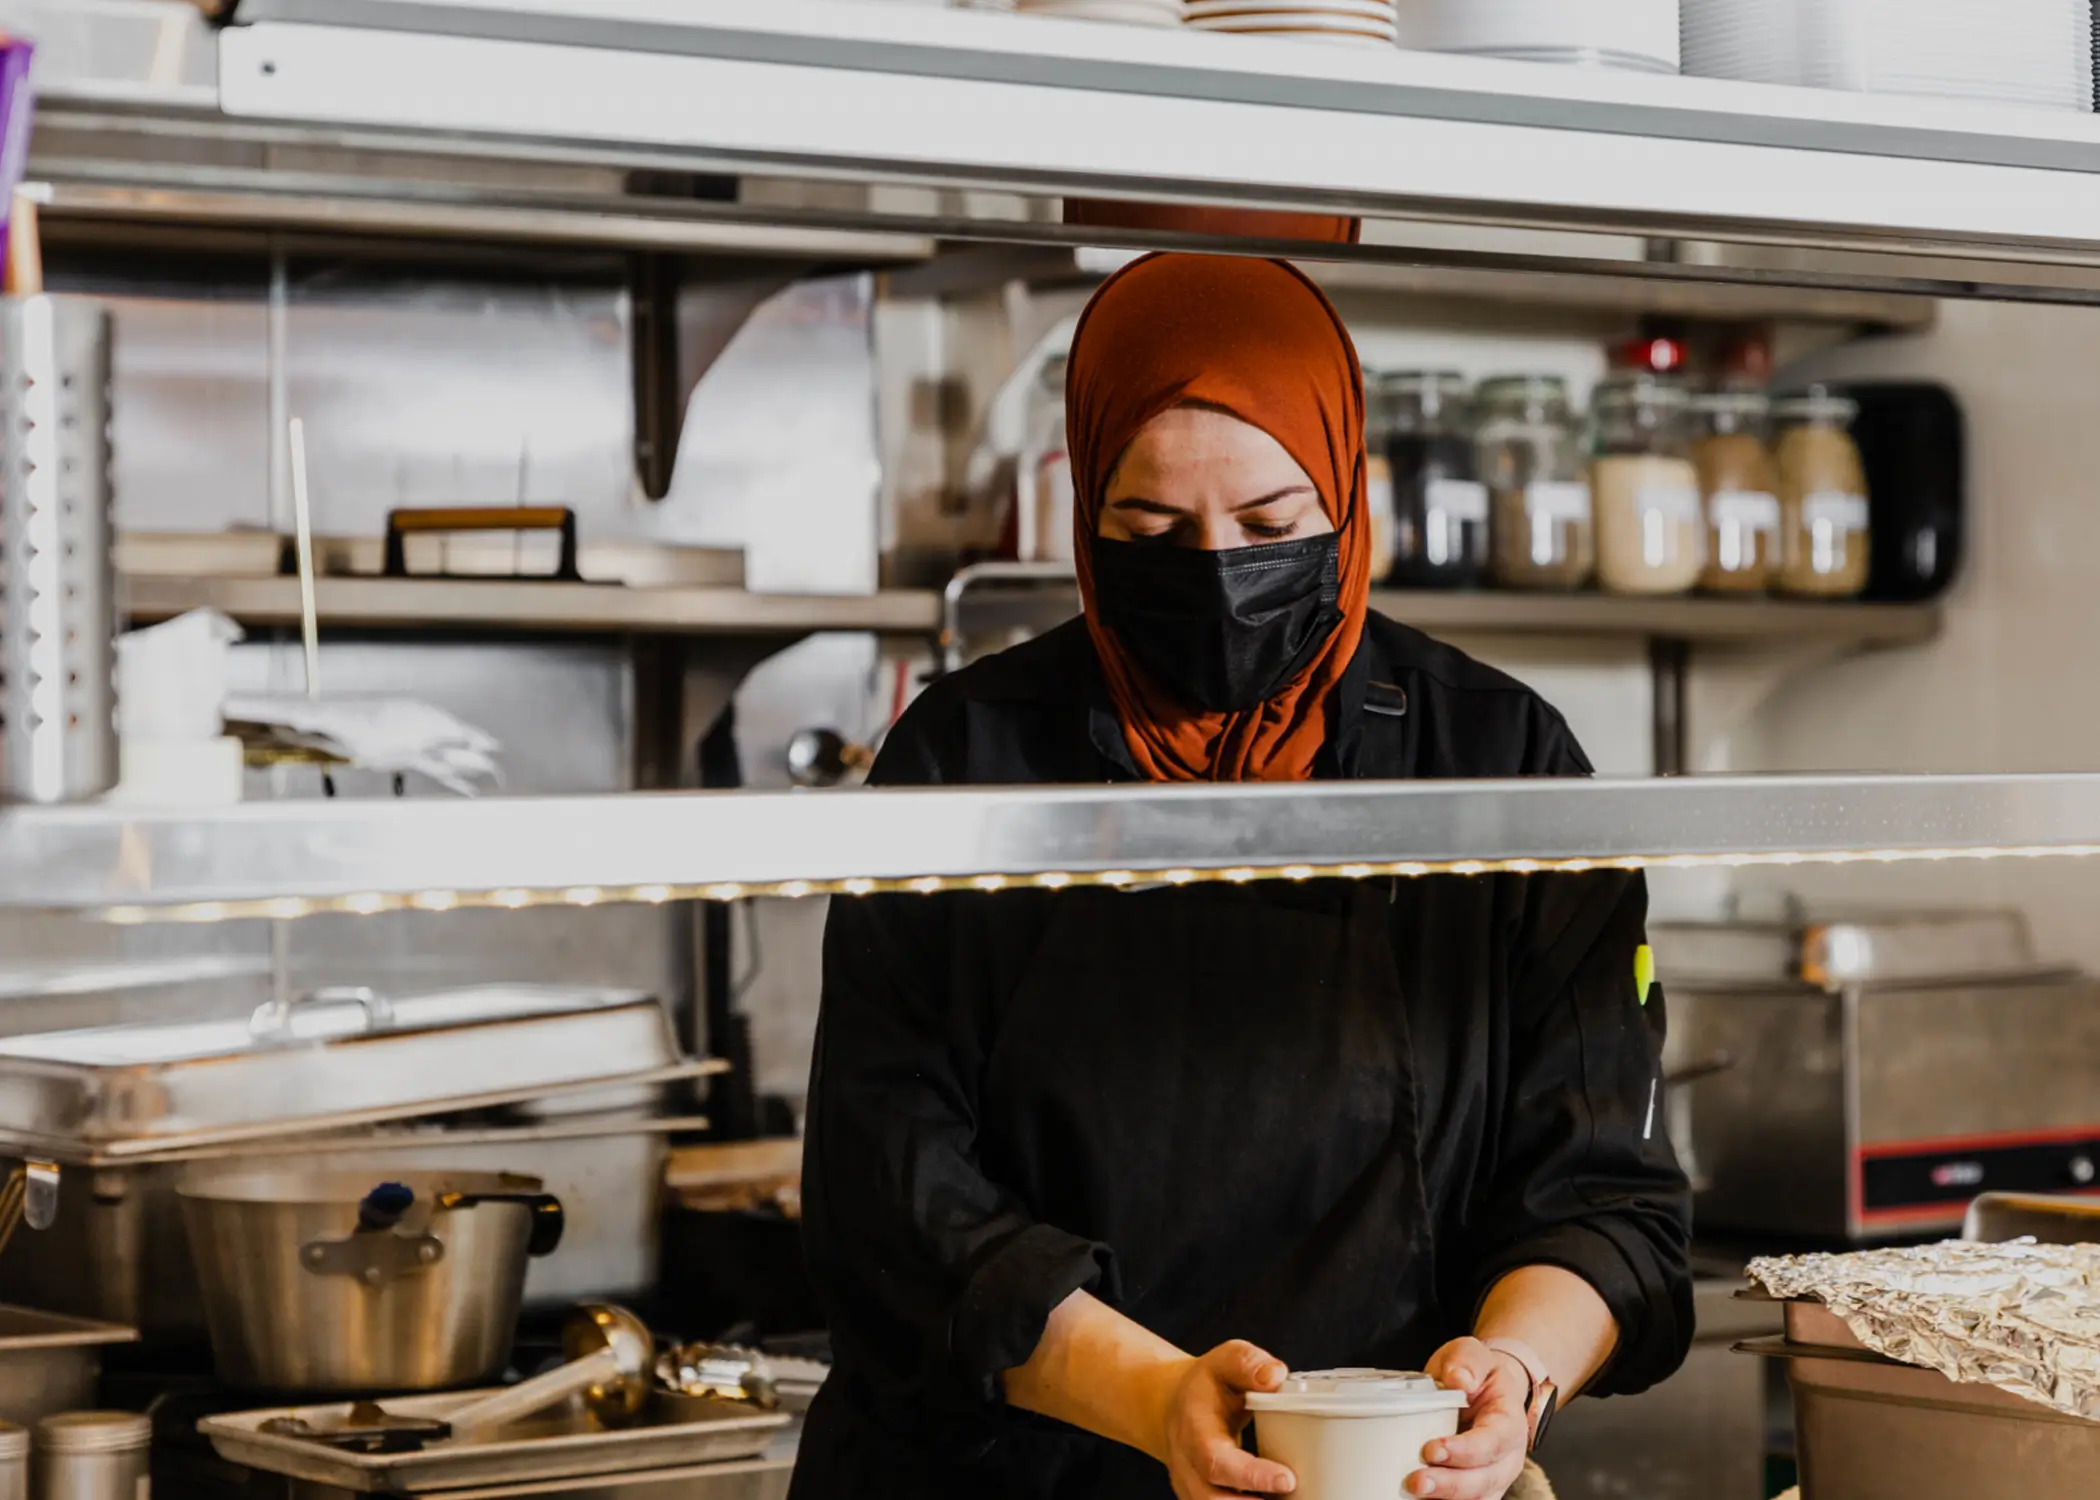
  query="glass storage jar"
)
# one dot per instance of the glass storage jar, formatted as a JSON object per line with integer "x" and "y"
{"x": 1530, "y": 458}
{"x": 1739, "y": 487}
{"x": 1822, "y": 497}
{"x": 1651, "y": 532}
{"x": 1378, "y": 476}
{"x": 1440, "y": 507}
{"x": 1044, "y": 477}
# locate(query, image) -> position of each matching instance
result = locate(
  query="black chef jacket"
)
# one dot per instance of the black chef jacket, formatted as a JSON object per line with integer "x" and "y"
{"x": 1326, "y": 1116}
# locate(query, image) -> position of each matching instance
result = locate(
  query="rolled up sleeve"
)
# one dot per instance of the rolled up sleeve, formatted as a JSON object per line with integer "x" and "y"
{"x": 1584, "y": 1177}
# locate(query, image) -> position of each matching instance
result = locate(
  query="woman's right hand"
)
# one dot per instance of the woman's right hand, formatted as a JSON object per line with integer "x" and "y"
{"x": 1206, "y": 1411}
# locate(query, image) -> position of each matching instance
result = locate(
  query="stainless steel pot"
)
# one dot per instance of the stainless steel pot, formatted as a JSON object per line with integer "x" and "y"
{"x": 364, "y": 1282}
{"x": 119, "y": 1251}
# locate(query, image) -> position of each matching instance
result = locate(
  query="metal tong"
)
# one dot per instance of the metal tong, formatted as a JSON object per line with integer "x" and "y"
{"x": 31, "y": 1194}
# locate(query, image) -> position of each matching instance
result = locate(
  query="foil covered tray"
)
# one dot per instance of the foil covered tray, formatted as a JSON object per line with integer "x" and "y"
{"x": 2020, "y": 1316}
{"x": 565, "y": 1445}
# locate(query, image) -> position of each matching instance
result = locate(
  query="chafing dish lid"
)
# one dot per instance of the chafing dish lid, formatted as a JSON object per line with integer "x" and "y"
{"x": 334, "y": 1060}
{"x": 325, "y": 1016}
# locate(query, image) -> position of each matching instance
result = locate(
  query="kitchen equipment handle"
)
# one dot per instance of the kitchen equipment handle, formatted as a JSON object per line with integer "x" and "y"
{"x": 537, "y": 1394}
{"x": 549, "y": 1218}
{"x": 272, "y": 1020}
{"x": 1705, "y": 1067}
{"x": 401, "y": 524}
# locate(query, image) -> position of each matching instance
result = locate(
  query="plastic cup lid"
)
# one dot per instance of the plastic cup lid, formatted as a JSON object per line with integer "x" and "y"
{"x": 1357, "y": 1393}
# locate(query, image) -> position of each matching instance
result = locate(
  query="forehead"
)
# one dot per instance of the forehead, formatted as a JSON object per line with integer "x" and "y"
{"x": 1204, "y": 446}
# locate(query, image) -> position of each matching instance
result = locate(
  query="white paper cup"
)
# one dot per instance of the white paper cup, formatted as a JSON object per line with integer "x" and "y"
{"x": 1353, "y": 1434}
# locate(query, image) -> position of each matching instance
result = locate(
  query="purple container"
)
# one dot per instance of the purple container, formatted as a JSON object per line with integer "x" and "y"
{"x": 17, "y": 110}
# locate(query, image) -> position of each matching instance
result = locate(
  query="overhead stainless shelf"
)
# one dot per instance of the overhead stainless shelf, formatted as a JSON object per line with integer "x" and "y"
{"x": 546, "y": 607}
{"x": 534, "y": 606}
{"x": 175, "y": 164}
{"x": 995, "y": 603}
{"x": 290, "y": 859}
{"x": 1480, "y": 273}
{"x": 872, "y": 94}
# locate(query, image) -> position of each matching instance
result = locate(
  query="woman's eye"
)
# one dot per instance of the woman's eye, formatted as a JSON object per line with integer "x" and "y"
{"x": 1270, "y": 533}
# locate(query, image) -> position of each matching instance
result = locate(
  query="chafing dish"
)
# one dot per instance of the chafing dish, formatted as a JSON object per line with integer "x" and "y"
{"x": 1867, "y": 1428}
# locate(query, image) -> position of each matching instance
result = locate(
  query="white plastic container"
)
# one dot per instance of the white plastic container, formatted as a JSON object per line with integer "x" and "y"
{"x": 1353, "y": 1434}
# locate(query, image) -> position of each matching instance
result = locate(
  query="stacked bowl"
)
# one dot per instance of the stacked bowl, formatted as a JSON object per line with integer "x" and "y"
{"x": 1346, "y": 23}
{"x": 1639, "y": 35}
{"x": 2035, "y": 54}
{"x": 1124, "y": 12}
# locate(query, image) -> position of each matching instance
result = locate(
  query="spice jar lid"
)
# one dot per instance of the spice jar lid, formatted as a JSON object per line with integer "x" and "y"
{"x": 1534, "y": 398}
{"x": 14, "y": 1443}
{"x": 1816, "y": 404}
{"x": 1748, "y": 404}
{"x": 94, "y": 1432}
{"x": 1357, "y": 1393}
{"x": 1641, "y": 390}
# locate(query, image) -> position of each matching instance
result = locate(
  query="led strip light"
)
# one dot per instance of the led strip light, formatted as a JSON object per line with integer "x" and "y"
{"x": 512, "y": 898}
{"x": 294, "y": 859}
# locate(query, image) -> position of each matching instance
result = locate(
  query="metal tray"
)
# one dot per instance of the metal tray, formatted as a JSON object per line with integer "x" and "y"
{"x": 126, "y": 1091}
{"x": 49, "y": 1363}
{"x": 569, "y": 1445}
{"x": 1867, "y": 1428}
{"x": 1813, "y": 1323}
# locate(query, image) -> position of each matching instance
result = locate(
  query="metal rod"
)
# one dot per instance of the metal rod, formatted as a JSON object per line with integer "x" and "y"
{"x": 1669, "y": 666}
{"x": 303, "y": 521}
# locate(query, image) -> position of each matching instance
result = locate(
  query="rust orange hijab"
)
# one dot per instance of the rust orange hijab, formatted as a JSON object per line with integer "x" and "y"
{"x": 1259, "y": 340}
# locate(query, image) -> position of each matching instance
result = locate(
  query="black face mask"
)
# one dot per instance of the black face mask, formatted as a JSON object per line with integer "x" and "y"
{"x": 1221, "y": 631}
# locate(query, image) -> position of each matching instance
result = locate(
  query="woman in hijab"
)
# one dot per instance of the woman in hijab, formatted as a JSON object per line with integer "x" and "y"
{"x": 1084, "y": 1168}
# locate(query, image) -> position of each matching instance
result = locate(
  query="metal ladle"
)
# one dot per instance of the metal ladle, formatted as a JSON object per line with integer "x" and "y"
{"x": 610, "y": 1355}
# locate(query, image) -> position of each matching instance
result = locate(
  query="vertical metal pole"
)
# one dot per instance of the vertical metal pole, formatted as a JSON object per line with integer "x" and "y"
{"x": 1669, "y": 663}
{"x": 280, "y": 391}
{"x": 282, "y": 517}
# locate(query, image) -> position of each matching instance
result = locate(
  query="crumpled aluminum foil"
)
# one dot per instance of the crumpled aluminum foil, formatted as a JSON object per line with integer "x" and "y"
{"x": 2020, "y": 1316}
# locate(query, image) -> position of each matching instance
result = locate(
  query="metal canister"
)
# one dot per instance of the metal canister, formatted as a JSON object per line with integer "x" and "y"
{"x": 58, "y": 605}
{"x": 14, "y": 1462}
{"x": 94, "y": 1455}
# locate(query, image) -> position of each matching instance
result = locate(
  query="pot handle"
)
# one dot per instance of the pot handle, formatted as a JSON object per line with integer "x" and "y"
{"x": 549, "y": 1218}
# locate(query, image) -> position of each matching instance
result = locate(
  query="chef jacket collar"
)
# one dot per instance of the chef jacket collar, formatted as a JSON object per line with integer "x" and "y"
{"x": 1339, "y": 757}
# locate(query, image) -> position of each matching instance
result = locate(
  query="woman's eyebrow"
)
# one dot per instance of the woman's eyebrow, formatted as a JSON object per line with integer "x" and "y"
{"x": 1283, "y": 494}
{"x": 1149, "y": 507}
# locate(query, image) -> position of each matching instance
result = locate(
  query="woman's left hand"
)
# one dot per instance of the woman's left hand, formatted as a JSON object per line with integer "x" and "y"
{"x": 1484, "y": 1460}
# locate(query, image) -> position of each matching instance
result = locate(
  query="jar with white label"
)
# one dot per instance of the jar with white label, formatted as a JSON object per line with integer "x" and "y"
{"x": 1651, "y": 527}
{"x": 1530, "y": 457}
{"x": 1440, "y": 507}
{"x": 1822, "y": 498}
{"x": 1739, "y": 485}
{"x": 1378, "y": 477}
{"x": 1044, "y": 480}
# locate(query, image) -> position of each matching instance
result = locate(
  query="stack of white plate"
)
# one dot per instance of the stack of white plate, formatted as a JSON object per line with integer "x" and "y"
{"x": 2032, "y": 53}
{"x": 1640, "y": 35}
{"x": 1347, "y": 23}
{"x": 1127, "y": 12}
